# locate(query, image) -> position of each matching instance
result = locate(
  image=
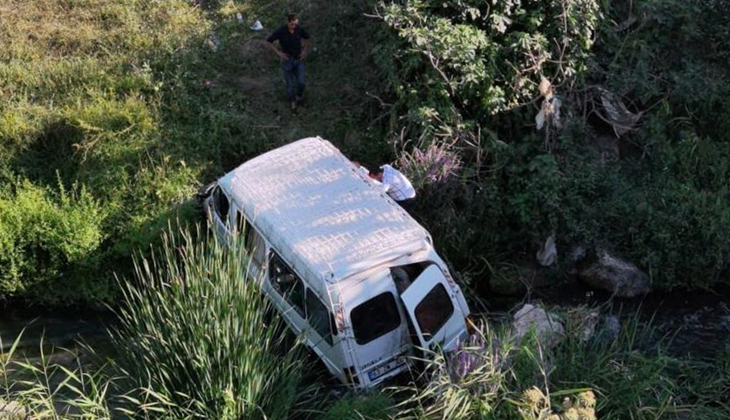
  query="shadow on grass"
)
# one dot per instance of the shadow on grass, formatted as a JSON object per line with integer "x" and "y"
{"x": 206, "y": 110}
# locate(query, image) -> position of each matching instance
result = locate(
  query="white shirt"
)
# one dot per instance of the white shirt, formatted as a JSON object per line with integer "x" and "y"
{"x": 397, "y": 186}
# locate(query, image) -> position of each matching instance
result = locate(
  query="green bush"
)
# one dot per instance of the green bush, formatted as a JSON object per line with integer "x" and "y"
{"x": 46, "y": 235}
{"x": 473, "y": 78}
{"x": 470, "y": 58}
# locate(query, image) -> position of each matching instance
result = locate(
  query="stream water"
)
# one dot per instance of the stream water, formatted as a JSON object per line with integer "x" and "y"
{"x": 57, "y": 328}
{"x": 697, "y": 321}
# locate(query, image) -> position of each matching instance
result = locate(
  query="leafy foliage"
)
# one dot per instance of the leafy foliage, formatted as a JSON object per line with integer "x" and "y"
{"x": 470, "y": 76}
{"x": 483, "y": 58}
{"x": 46, "y": 235}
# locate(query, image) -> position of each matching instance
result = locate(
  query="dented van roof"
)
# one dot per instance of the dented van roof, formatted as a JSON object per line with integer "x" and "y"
{"x": 324, "y": 216}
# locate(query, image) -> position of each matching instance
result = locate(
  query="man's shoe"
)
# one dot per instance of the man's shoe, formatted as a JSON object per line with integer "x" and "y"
{"x": 299, "y": 99}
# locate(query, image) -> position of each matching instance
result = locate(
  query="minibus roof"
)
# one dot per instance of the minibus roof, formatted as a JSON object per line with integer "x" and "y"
{"x": 325, "y": 217}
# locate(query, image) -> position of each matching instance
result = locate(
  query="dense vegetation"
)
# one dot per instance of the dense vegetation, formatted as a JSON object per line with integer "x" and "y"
{"x": 475, "y": 80}
{"x": 113, "y": 113}
{"x": 195, "y": 342}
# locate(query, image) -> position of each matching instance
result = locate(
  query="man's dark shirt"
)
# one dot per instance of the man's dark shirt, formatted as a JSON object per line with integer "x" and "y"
{"x": 291, "y": 43}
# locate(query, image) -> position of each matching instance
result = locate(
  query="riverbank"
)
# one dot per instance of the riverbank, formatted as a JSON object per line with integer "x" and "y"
{"x": 631, "y": 370}
{"x": 695, "y": 323}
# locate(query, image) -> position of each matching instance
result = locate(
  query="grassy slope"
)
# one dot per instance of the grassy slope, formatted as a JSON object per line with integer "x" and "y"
{"x": 112, "y": 95}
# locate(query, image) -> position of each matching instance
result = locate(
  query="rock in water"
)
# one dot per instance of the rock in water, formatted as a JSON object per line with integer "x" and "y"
{"x": 617, "y": 276}
{"x": 546, "y": 326}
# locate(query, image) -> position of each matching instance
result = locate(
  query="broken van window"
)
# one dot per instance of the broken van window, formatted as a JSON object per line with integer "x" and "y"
{"x": 287, "y": 283}
{"x": 433, "y": 311}
{"x": 375, "y": 318}
{"x": 404, "y": 275}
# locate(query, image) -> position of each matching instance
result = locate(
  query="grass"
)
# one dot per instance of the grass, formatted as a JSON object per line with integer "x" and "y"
{"x": 624, "y": 377}
{"x": 112, "y": 96}
{"x": 195, "y": 341}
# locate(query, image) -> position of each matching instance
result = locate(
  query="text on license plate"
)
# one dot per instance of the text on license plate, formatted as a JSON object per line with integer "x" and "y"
{"x": 383, "y": 369}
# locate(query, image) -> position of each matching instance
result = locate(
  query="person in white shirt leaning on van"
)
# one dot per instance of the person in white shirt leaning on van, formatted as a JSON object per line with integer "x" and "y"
{"x": 396, "y": 184}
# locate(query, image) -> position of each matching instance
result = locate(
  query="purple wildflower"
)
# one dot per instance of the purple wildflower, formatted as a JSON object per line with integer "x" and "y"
{"x": 437, "y": 164}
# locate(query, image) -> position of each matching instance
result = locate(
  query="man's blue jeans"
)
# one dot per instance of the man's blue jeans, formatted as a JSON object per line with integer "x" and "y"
{"x": 293, "y": 71}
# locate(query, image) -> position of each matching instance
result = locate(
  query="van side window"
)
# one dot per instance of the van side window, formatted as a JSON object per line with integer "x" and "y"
{"x": 288, "y": 284}
{"x": 375, "y": 318}
{"x": 241, "y": 223}
{"x": 433, "y": 311}
{"x": 320, "y": 318}
{"x": 221, "y": 204}
{"x": 256, "y": 246}
{"x": 253, "y": 242}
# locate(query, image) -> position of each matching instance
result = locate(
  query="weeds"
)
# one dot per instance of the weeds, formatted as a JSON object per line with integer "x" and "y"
{"x": 197, "y": 338}
{"x": 594, "y": 376}
{"x": 236, "y": 364}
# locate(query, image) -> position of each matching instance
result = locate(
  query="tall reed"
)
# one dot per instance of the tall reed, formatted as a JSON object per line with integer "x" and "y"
{"x": 198, "y": 339}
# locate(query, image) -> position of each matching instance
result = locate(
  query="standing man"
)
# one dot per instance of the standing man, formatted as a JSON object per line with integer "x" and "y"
{"x": 293, "y": 40}
{"x": 396, "y": 184}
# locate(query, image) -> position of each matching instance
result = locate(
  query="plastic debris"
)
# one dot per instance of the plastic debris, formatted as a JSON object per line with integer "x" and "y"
{"x": 549, "y": 112}
{"x": 213, "y": 42}
{"x": 615, "y": 112}
{"x": 239, "y": 18}
{"x": 257, "y": 26}
{"x": 550, "y": 108}
{"x": 548, "y": 253}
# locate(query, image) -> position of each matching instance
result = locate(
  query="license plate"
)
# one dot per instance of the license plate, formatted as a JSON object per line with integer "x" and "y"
{"x": 388, "y": 367}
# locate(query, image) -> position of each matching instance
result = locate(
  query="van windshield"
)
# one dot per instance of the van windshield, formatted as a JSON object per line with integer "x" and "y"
{"x": 375, "y": 318}
{"x": 433, "y": 311}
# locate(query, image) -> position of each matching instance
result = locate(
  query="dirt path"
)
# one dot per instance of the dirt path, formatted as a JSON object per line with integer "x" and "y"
{"x": 339, "y": 72}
